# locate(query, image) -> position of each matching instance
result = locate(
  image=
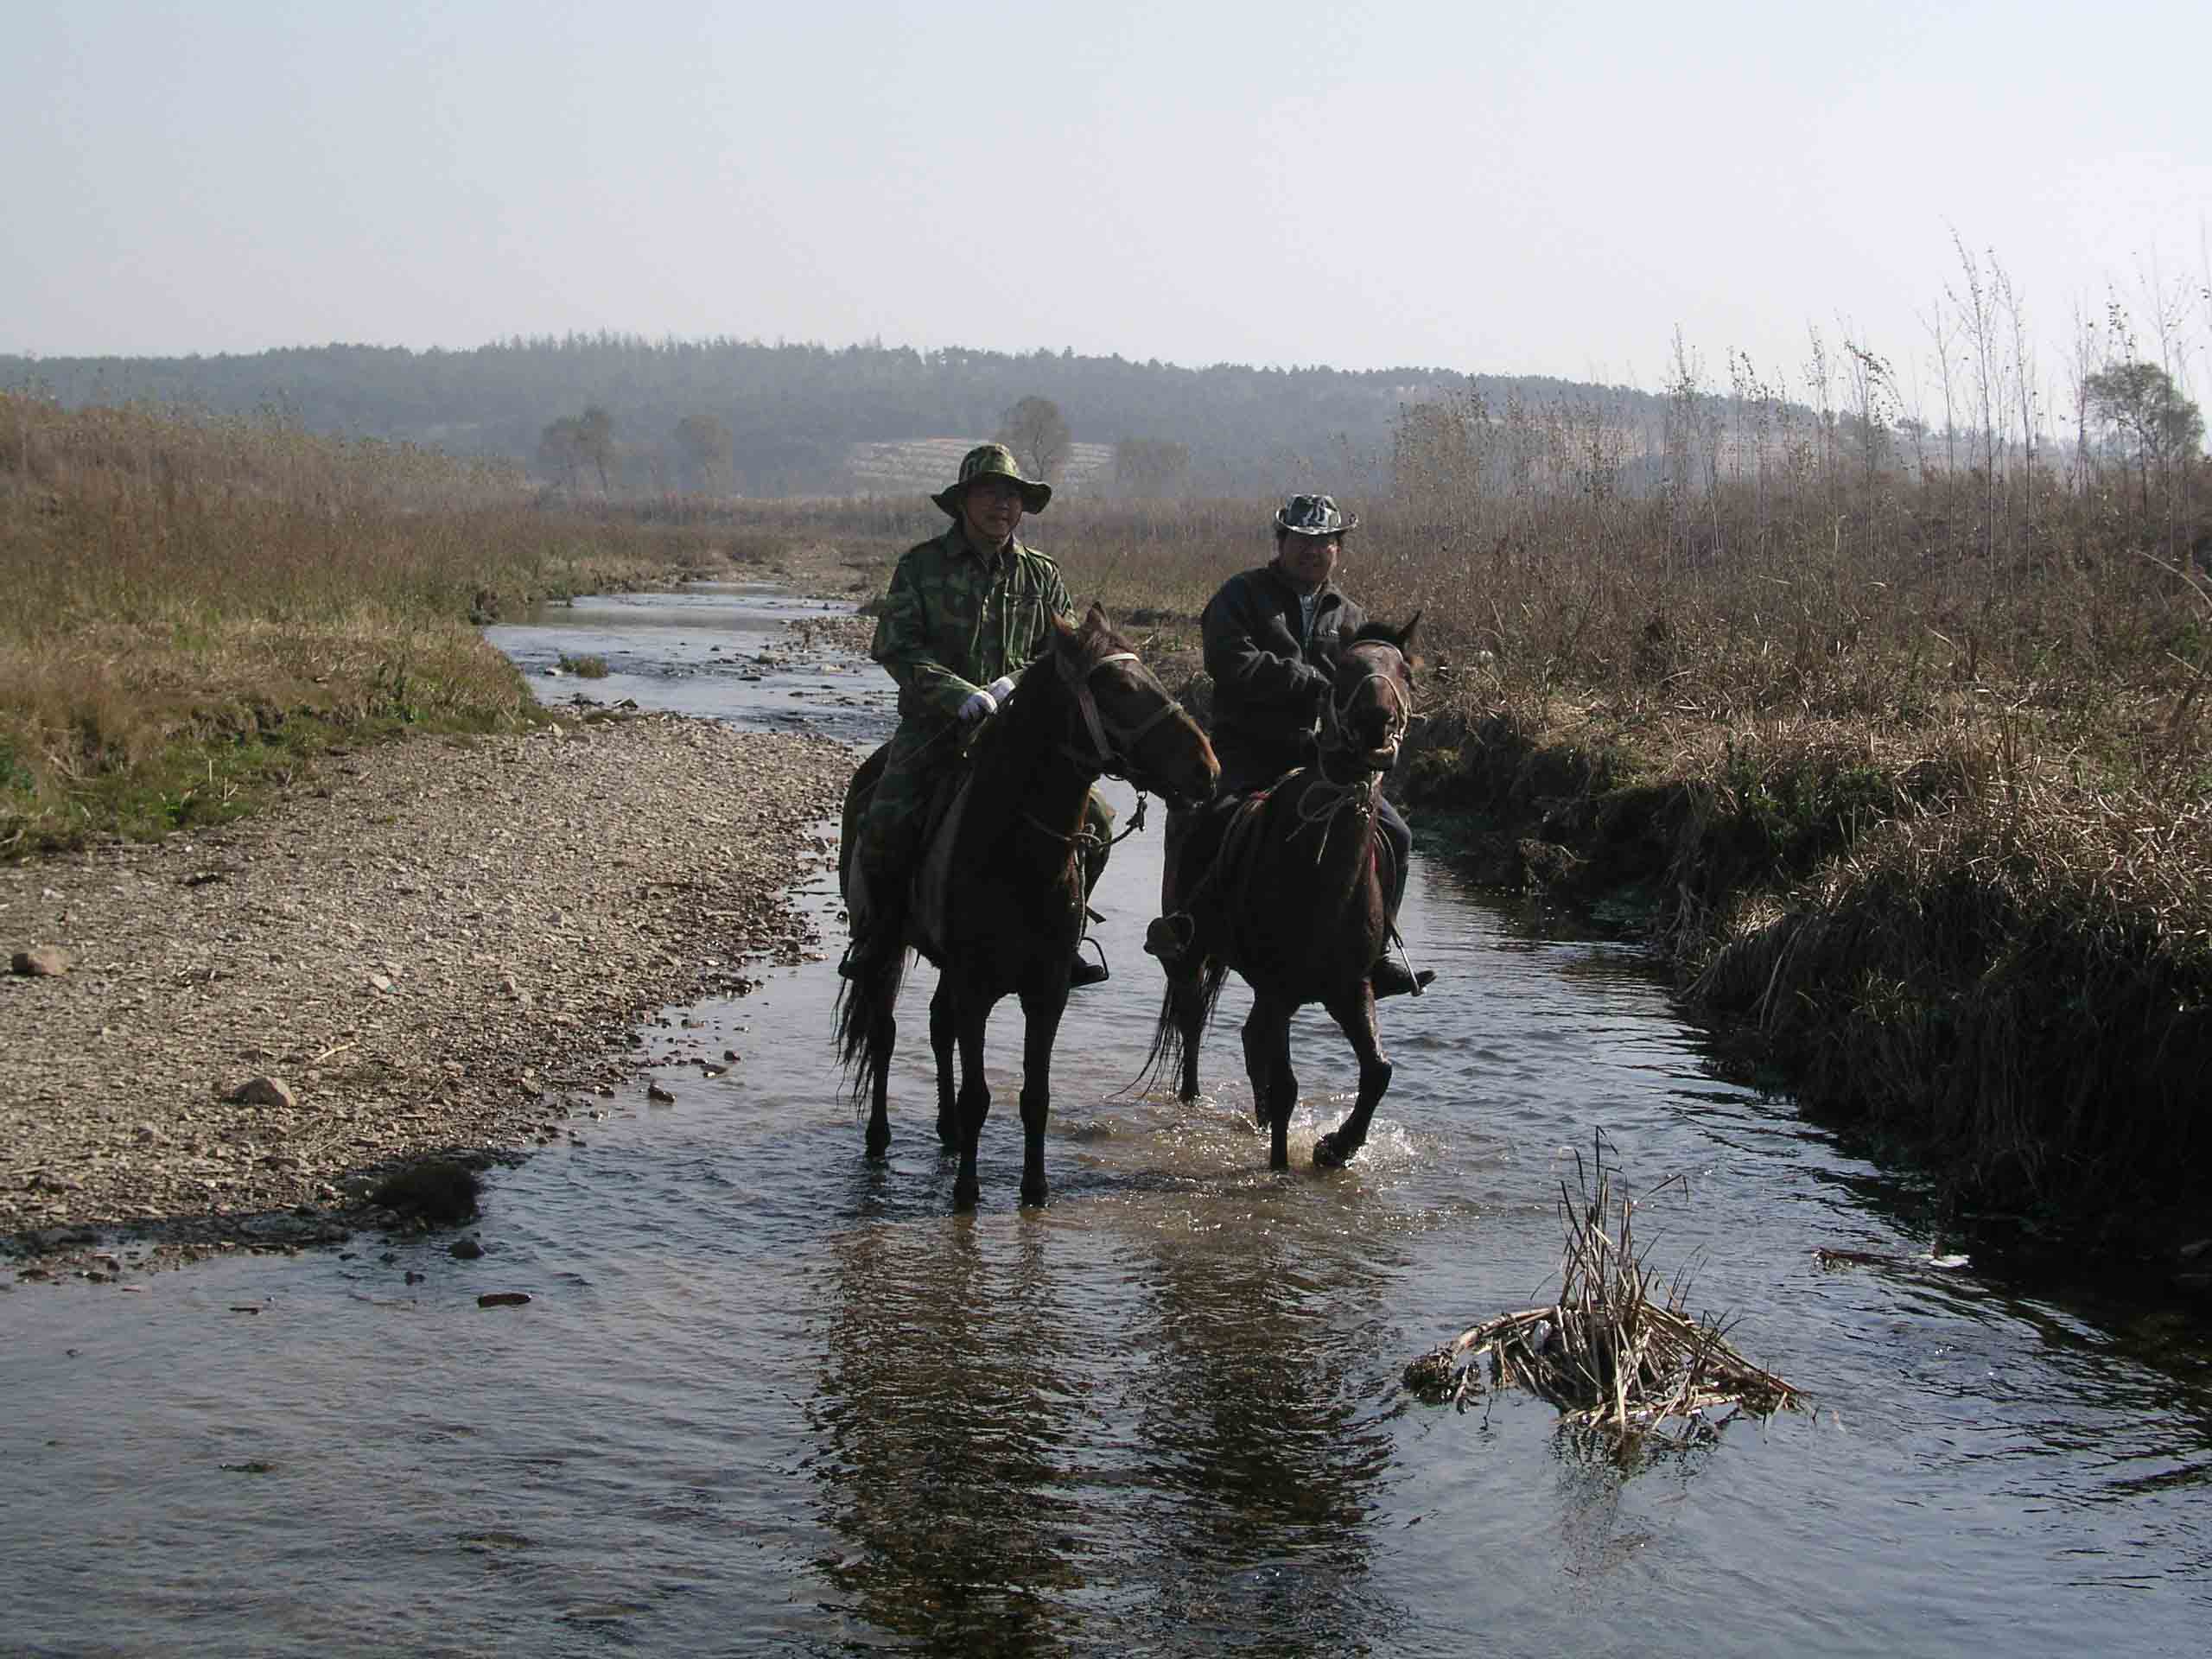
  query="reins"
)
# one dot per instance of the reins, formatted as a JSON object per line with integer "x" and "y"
{"x": 1323, "y": 799}
{"x": 1112, "y": 747}
{"x": 1335, "y": 800}
{"x": 1340, "y": 697}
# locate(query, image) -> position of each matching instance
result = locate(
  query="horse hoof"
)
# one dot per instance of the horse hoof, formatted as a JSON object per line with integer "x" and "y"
{"x": 878, "y": 1145}
{"x": 965, "y": 1194}
{"x": 948, "y": 1135}
{"x": 1326, "y": 1154}
{"x": 1033, "y": 1197}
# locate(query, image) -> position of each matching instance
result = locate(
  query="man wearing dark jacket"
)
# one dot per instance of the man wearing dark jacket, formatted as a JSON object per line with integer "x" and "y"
{"x": 1271, "y": 636}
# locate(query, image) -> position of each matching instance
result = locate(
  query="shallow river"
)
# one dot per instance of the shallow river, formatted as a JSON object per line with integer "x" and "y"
{"x": 769, "y": 1397}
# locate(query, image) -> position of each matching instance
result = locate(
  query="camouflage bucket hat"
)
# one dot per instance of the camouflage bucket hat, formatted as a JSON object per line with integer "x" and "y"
{"x": 992, "y": 460}
{"x": 1314, "y": 515}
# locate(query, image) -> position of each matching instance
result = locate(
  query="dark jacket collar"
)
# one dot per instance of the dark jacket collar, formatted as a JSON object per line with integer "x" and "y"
{"x": 1328, "y": 590}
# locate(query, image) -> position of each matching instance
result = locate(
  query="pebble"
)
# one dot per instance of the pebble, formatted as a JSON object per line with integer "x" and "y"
{"x": 399, "y": 872}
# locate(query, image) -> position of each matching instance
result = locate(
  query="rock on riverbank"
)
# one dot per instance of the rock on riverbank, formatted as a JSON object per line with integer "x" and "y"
{"x": 438, "y": 944}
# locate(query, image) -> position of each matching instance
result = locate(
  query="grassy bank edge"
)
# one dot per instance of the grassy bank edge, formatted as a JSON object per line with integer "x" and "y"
{"x": 2039, "y": 1054}
{"x": 199, "y": 752}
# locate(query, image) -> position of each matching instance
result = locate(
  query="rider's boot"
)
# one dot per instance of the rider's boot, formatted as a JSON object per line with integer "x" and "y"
{"x": 1082, "y": 971}
{"x": 1170, "y": 938}
{"x": 878, "y": 922}
{"x": 1391, "y": 977}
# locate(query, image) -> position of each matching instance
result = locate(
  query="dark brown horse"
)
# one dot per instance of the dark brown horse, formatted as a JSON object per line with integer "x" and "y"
{"x": 1297, "y": 902}
{"x": 1012, "y": 903}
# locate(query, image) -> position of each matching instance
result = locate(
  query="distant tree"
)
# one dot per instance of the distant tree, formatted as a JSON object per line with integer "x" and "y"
{"x": 560, "y": 450}
{"x": 1033, "y": 428}
{"x": 2140, "y": 404}
{"x": 704, "y": 443}
{"x": 1152, "y": 468}
{"x": 595, "y": 440}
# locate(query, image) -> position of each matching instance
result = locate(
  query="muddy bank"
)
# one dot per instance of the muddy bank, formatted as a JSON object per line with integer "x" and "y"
{"x": 435, "y": 944}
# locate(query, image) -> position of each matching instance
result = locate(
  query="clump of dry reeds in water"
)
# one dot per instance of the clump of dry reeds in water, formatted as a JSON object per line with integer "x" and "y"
{"x": 1609, "y": 1354}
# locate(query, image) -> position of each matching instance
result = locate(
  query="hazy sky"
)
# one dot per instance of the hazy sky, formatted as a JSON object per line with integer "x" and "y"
{"x": 1539, "y": 187}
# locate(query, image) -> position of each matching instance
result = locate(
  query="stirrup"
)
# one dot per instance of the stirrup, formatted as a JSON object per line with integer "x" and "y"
{"x": 1082, "y": 973}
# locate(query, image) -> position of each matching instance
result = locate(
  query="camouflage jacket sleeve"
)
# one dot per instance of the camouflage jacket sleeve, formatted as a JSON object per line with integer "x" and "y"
{"x": 1056, "y": 600}
{"x": 904, "y": 644}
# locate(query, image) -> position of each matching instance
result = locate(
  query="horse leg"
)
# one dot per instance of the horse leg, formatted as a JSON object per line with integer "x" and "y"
{"x": 941, "y": 1041}
{"x": 1274, "y": 1086}
{"x": 1355, "y": 1012}
{"x": 880, "y": 1039}
{"x": 1186, "y": 1007}
{"x": 1041, "y": 1011}
{"x": 974, "y": 1100}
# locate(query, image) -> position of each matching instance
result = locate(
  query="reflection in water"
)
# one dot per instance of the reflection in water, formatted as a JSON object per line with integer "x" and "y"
{"x": 945, "y": 1415}
{"x": 1258, "y": 1437}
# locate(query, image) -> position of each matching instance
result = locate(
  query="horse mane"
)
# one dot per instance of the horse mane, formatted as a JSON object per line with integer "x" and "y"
{"x": 1385, "y": 633}
{"x": 1093, "y": 639}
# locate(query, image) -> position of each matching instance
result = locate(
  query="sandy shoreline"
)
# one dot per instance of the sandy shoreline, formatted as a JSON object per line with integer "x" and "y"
{"x": 437, "y": 944}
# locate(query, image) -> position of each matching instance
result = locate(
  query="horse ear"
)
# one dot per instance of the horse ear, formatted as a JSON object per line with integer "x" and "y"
{"x": 1406, "y": 633}
{"x": 1094, "y": 620}
{"x": 1065, "y": 637}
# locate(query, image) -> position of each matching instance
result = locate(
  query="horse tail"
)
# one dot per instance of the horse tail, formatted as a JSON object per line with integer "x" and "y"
{"x": 863, "y": 1023}
{"x": 1164, "y": 1060}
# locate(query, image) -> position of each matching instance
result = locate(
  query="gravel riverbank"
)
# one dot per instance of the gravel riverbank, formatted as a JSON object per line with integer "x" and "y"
{"x": 438, "y": 944}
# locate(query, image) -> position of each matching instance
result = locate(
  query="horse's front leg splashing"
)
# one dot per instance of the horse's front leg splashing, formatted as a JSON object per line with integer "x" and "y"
{"x": 1355, "y": 1015}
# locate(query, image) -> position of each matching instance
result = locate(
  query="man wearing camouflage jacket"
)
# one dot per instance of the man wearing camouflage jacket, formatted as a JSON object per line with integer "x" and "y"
{"x": 965, "y": 613}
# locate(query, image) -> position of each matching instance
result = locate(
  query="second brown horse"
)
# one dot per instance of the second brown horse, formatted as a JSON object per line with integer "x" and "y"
{"x": 1297, "y": 901}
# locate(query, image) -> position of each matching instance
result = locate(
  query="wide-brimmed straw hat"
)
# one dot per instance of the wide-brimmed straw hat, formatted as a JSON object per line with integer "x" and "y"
{"x": 1314, "y": 515}
{"x": 992, "y": 460}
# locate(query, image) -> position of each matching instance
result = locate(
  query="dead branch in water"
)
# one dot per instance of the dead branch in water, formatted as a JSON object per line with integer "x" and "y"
{"x": 1608, "y": 1354}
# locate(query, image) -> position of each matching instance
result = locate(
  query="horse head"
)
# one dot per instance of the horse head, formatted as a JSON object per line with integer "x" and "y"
{"x": 1125, "y": 725}
{"x": 1371, "y": 699}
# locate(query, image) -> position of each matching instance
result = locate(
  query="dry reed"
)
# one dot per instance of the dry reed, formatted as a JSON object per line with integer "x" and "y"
{"x": 1618, "y": 1352}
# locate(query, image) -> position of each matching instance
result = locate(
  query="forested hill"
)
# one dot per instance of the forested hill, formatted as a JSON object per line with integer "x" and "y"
{"x": 784, "y": 418}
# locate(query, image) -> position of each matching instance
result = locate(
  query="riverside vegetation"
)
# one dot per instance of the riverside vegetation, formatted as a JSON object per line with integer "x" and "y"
{"x": 1907, "y": 760}
{"x": 194, "y": 606}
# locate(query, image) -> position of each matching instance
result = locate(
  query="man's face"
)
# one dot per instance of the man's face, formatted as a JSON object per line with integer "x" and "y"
{"x": 991, "y": 508}
{"x": 1309, "y": 560}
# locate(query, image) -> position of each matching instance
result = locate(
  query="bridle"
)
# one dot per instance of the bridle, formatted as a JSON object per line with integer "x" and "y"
{"x": 1112, "y": 752}
{"x": 1340, "y": 697}
{"x": 1113, "y": 745}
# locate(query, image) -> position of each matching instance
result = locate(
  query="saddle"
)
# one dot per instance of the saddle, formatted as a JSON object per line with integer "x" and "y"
{"x": 927, "y": 883}
{"x": 1221, "y": 880}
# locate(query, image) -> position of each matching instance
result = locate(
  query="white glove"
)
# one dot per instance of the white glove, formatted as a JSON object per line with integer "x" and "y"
{"x": 985, "y": 702}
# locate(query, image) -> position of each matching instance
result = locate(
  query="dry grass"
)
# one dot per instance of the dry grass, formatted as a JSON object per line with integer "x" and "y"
{"x": 195, "y": 605}
{"x": 1611, "y": 1354}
